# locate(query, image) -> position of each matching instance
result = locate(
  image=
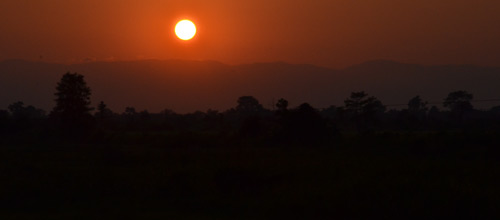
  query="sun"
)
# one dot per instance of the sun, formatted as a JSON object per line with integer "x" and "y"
{"x": 185, "y": 30}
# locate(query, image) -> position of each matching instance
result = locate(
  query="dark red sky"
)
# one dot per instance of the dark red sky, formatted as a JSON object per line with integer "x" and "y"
{"x": 333, "y": 33}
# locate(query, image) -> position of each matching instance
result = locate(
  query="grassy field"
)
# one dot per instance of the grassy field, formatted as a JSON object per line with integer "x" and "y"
{"x": 348, "y": 181}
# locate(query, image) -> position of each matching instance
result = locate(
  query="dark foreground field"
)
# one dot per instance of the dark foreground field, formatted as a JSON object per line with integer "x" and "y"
{"x": 348, "y": 180}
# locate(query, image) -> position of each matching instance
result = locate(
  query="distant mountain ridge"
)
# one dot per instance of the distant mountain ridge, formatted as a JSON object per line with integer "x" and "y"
{"x": 186, "y": 86}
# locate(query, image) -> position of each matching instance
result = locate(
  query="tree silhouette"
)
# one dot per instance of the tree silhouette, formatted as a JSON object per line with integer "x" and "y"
{"x": 360, "y": 103}
{"x": 282, "y": 104}
{"x": 416, "y": 105}
{"x": 21, "y": 112}
{"x": 24, "y": 117}
{"x": 459, "y": 101}
{"x": 306, "y": 125}
{"x": 248, "y": 112}
{"x": 130, "y": 114}
{"x": 356, "y": 102}
{"x": 363, "y": 109}
{"x": 415, "y": 114}
{"x": 248, "y": 105}
{"x": 130, "y": 111}
{"x": 459, "y": 104}
{"x": 103, "y": 112}
{"x": 434, "y": 116}
{"x": 72, "y": 108}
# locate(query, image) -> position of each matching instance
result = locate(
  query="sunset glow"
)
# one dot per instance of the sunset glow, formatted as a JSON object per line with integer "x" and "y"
{"x": 185, "y": 30}
{"x": 261, "y": 109}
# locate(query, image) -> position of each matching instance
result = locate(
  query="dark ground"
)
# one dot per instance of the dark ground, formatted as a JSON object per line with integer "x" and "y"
{"x": 356, "y": 178}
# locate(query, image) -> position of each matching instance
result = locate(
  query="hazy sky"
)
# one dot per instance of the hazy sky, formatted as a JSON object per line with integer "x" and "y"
{"x": 334, "y": 33}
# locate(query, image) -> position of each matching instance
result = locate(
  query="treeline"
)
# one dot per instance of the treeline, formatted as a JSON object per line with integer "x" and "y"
{"x": 73, "y": 117}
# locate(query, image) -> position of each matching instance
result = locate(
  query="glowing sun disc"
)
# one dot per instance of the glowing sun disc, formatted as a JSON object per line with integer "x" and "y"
{"x": 185, "y": 30}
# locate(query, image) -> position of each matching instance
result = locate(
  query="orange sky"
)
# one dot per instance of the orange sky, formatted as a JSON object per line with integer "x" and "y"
{"x": 333, "y": 33}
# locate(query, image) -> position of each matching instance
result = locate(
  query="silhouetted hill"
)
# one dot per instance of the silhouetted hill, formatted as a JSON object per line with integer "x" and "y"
{"x": 185, "y": 86}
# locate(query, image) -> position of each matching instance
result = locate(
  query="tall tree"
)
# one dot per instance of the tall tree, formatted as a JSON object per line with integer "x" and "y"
{"x": 72, "y": 101}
